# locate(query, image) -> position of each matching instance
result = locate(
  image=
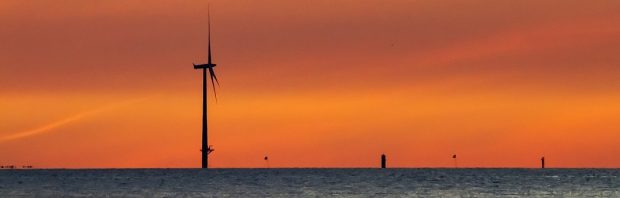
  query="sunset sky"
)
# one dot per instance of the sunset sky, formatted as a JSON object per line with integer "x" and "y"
{"x": 321, "y": 83}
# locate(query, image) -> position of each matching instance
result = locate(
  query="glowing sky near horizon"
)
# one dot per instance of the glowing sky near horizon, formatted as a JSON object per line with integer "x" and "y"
{"x": 311, "y": 83}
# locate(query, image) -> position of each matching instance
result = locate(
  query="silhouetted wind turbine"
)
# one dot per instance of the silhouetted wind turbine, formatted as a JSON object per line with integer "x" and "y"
{"x": 206, "y": 148}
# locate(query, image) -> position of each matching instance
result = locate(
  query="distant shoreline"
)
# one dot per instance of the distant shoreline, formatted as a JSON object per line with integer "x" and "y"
{"x": 301, "y": 168}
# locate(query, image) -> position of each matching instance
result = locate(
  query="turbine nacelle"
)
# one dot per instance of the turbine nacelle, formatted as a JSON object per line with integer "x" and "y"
{"x": 203, "y": 66}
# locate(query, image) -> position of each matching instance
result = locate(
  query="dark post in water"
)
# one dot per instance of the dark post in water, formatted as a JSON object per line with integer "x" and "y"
{"x": 382, "y": 160}
{"x": 542, "y": 162}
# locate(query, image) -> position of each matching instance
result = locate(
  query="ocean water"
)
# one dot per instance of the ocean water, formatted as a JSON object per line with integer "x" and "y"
{"x": 311, "y": 183}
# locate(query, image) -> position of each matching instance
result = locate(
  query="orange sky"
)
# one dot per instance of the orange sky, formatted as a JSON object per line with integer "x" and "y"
{"x": 311, "y": 84}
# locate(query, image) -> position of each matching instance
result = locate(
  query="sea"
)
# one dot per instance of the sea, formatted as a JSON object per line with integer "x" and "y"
{"x": 312, "y": 182}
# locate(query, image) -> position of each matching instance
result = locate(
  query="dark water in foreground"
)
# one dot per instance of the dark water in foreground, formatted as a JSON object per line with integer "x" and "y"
{"x": 311, "y": 182}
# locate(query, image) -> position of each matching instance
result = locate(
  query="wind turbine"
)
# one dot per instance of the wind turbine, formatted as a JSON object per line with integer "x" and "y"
{"x": 206, "y": 148}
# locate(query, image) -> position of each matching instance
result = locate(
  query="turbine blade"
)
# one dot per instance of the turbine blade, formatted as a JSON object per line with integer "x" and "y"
{"x": 213, "y": 81}
{"x": 214, "y": 76}
{"x": 209, "y": 33}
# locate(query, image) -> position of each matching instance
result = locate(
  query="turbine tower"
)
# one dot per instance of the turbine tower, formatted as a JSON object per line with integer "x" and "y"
{"x": 206, "y": 148}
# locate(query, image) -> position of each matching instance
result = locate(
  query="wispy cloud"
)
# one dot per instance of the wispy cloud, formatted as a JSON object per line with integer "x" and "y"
{"x": 68, "y": 120}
